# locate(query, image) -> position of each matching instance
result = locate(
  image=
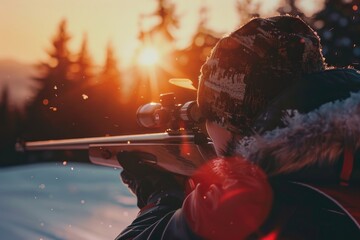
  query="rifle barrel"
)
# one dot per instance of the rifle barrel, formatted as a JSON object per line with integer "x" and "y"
{"x": 84, "y": 143}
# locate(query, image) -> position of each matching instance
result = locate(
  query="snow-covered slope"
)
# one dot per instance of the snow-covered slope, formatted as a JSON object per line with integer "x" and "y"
{"x": 63, "y": 201}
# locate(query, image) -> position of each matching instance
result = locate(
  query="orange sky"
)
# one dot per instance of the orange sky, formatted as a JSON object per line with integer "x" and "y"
{"x": 27, "y": 26}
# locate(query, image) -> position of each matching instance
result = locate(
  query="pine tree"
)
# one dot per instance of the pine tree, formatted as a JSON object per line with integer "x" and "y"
{"x": 4, "y": 108}
{"x": 56, "y": 78}
{"x": 47, "y": 111}
{"x": 82, "y": 69}
{"x": 102, "y": 112}
{"x": 75, "y": 101}
{"x": 11, "y": 123}
{"x": 163, "y": 31}
{"x": 109, "y": 95}
{"x": 110, "y": 73}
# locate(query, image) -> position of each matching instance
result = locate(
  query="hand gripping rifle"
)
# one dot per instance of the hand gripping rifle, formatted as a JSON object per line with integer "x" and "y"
{"x": 180, "y": 149}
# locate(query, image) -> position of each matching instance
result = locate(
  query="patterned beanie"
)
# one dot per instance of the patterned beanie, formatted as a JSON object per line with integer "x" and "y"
{"x": 253, "y": 65}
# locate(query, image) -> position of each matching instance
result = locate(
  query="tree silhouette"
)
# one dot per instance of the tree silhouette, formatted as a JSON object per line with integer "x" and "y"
{"x": 11, "y": 123}
{"x": 4, "y": 107}
{"x": 108, "y": 114}
{"x": 82, "y": 68}
{"x": 110, "y": 73}
{"x": 162, "y": 31}
{"x": 75, "y": 114}
{"x": 56, "y": 79}
{"x": 47, "y": 110}
{"x": 5, "y": 128}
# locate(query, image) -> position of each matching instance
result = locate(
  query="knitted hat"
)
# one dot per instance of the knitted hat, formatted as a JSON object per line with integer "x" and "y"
{"x": 253, "y": 65}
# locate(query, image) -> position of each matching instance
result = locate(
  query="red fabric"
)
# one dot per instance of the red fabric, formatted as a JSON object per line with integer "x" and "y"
{"x": 347, "y": 167}
{"x": 229, "y": 199}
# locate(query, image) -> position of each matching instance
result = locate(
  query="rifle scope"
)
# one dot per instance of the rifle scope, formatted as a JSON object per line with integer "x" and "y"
{"x": 168, "y": 114}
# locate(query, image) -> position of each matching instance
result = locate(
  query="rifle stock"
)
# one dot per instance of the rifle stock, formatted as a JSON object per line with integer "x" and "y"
{"x": 179, "y": 153}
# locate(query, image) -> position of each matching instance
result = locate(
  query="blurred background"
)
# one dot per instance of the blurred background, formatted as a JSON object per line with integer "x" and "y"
{"x": 81, "y": 69}
{"x": 72, "y": 69}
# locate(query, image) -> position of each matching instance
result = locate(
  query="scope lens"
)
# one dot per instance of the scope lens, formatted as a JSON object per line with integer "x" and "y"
{"x": 146, "y": 116}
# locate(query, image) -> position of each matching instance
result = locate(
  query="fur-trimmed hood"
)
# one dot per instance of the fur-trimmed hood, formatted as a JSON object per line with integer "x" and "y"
{"x": 313, "y": 139}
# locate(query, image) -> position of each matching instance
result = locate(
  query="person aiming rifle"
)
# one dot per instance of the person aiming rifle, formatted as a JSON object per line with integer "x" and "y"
{"x": 285, "y": 127}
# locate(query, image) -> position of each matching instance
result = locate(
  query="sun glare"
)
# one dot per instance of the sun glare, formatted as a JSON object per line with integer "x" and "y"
{"x": 148, "y": 56}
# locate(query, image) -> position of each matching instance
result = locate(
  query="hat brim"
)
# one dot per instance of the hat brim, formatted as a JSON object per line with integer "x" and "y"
{"x": 183, "y": 83}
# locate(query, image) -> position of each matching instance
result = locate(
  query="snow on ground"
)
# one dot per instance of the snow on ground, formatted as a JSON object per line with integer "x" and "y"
{"x": 63, "y": 201}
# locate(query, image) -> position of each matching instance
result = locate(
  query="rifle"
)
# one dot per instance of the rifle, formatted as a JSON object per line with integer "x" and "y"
{"x": 181, "y": 149}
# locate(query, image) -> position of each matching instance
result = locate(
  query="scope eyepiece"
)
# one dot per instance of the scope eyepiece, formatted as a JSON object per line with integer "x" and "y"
{"x": 190, "y": 112}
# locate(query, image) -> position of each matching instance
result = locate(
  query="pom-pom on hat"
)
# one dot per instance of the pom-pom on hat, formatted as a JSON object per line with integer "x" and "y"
{"x": 253, "y": 65}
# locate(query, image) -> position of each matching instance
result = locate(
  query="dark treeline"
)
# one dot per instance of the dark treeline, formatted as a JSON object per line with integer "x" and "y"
{"x": 77, "y": 99}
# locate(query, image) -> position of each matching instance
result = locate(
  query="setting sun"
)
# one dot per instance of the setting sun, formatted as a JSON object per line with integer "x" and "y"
{"x": 148, "y": 56}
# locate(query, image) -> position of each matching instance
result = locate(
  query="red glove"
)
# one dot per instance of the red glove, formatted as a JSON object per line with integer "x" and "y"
{"x": 230, "y": 199}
